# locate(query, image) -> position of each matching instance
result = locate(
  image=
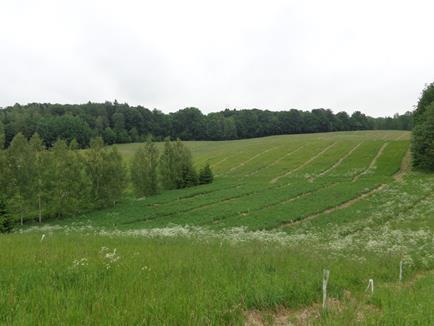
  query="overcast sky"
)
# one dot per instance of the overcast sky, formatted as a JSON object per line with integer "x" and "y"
{"x": 374, "y": 56}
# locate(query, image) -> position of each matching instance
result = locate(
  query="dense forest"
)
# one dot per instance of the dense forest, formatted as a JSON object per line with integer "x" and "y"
{"x": 121, "y": 123}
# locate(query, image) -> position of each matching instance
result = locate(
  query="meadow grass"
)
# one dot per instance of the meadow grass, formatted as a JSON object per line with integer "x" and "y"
{"x": 78, "y": 277}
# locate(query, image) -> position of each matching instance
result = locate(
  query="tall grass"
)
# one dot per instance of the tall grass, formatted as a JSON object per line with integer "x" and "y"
{"x": 71, "y": 278}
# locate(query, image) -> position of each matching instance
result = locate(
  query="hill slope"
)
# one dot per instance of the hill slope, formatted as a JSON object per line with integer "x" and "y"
{"x": 270, "y": 182}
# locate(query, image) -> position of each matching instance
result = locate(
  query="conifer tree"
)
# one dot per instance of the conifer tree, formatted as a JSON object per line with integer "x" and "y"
{"x": 206, "y": 175}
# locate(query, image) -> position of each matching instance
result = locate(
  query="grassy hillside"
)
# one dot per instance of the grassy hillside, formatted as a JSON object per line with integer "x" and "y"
{"x": 249, "y": 248}
{"x": 268, "y": 183}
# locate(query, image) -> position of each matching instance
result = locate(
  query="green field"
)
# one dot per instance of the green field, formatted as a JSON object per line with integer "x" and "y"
{"x": 249, "y": 248}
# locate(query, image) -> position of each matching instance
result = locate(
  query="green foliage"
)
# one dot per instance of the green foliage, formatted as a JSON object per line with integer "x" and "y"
{"x": 2, "y": 135}
{"x": 36, "y": 143}
{"x": 68, "y": 185}
{"x": 206, "y": 175}
{"x": 6, "y": 220}
{"x": 144, "y": 170}
{"x": 423, "y": 131}
{"x": 121, "y": 123}
{"x": 423, "y": 140}
{"x": 176, "y": 166}
{"x": 109, "y": 136}
{"x": 74, "y": 145}
{"x": 425, "y": 100}
{"x": 185, "y": 174}
{"x": 188, "y": 124}
{"x": 65, "y": 127}
{"x": 21, "y": 175}
{"x": 116, "y": 177}
{"x": 168, "y": 166}
{"x": 4, "y": 173}
{"x": 106, "y": 173}
{"x": 59, "y": 182}
{"x": 138, "y": 172}
{"x": 42, "y": 182}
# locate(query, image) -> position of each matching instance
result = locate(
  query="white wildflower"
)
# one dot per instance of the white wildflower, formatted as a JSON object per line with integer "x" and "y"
{"x": 80, "y": 262}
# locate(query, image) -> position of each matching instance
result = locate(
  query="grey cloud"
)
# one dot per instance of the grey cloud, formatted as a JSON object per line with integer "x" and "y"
{"x": 345, "y": 55}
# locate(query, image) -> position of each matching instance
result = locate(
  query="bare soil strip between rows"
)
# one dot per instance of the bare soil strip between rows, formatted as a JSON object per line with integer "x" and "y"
{"x": 280, "y": 202}
{"x": 400, "y": 136}
{"x": 251, "y": 159}
{"x": 221, "y": 161}
{"x": 373, "y": 162}
{"x": 186, "y": 197}
{"x": 291, "y": 199}
{"x": 191, "y": 209}
{"x": 202, "y": 161}
{"x": 346, "y": 204}
{"x": 303, "y": 164}
{"x": 213, "y": 203}
{"x": 246, "y": 194}
{"x": 397, "y": 176}
{"x": 339, "y": 162}
{"x": 405, "y": 166}
{"x": 228, "y": 199}
{"x": 275, "y": 162}
{"x": 218, "y": 163}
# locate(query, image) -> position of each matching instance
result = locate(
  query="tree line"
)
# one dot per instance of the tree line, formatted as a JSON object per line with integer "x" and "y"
{"x": 37, "y": 182}
{"x": 121, "y": 123}
{"x": 423, "y": 132}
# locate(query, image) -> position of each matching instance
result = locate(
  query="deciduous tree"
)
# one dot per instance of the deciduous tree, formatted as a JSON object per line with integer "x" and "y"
{"x": 21, "y": 175}
{"x": 144, "y": 170}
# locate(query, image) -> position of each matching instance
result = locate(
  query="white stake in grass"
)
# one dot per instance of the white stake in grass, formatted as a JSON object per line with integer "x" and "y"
{"x": 370, "y": 285}
{"x": 325, "y": 279}
{"x": 401, "y": 266}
